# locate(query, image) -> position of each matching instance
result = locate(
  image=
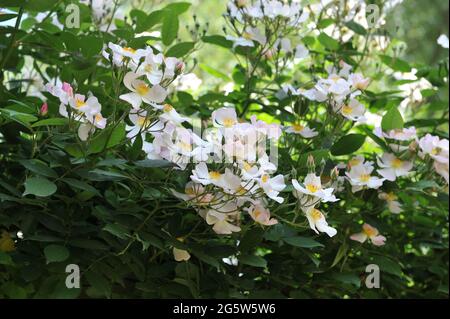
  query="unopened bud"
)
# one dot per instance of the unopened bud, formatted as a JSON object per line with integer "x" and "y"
{"x": 179, "y": 67}
{"x": 44, "y": 109}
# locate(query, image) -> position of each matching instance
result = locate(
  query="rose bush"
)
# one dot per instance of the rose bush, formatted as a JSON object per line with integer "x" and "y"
{"x": 321, "y": 153}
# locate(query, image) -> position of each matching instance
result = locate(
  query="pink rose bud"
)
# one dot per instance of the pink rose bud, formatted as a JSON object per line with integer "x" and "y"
{"x": 179, "y": 67}
{"x": 67, "y": 88}
{"x": 44, "y": 109}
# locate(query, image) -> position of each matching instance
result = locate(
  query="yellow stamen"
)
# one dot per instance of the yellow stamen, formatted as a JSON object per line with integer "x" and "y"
{"x": 364, "y": 178}
{"x": 316, "y": 214}
{"x": 79, "y": 103}
{"x": 247, "y": 36}
{"x": 370, "y": 231}
{"x": 354, "y": 162}
{"x": 265, "y": 178}
{"x": 312, "y": 188}
{"x": 142, "y": 89}
{"x": 128, "y": 49}
{"x": 247, "y": 166}
{"x": 214, "y": 175}
{"x": 228, "y": 122}
{"x": 298, "y": 127}
{"x": 347, "y": 110}
{"x": 167, "y": 108}
{"x": 391, "y": 196}
{"x": 397, "y": 163}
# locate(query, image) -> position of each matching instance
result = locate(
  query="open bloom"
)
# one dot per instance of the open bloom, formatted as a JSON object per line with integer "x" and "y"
{"x": 360, "y": 177}
{"x": 224, "y": 117}
{"x": 304, "y": 131}
{"x": 318, "y": 223}
{"x": 393, "y": 167}
{"x": 358, "y": 81}
{"x": 141, "y": 91}
{"x": 89, "y": 107}
{"x": 437, "y": 149}
{"x": 353, "y": 110}
{"x": 313, "y": 187}
{"x": 391, "y": 199}
{"x": 222, "y": 222}
{"x": 371, "y": 233}
{"x": 272, "y": 186}
{"x": 441, "y": 169}
{"x": 202, "y": 176}
{"x": 261, "y": 215}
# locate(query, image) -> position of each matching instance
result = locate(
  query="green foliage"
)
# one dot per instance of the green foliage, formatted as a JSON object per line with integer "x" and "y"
{"x": 102, "y": 205}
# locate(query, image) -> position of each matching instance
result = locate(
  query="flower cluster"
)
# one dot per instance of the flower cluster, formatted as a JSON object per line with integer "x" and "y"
{"x": 340, "y": 89}
{"x": 86, "y": 110}
{"x": 254, "y": 22}
{"x": 148, "y": 75}
{"x": 241, "y": 178}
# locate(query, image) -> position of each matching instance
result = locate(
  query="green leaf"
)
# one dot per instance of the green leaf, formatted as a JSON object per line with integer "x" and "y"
{"x": 38, "y": 167}
{"x": 328, "y": 42}
{"x": 169, "y": 30}
{"x": 153, "y": 163}
{"x": 40, "y": 187}
{"x": 22, "y": 118}
{"x": 56, "y": 253}
{"x": 340, "y": 254}
{"x": 325, "y": 23}
{"x": 117, "y": 230}
{"x": 252, "y": 260}
{"x": 51, "y": 122}
{"x": 356, "y": 27}
{"x": 251, "y": 239}
{"x": 7, "y": 16}
{"x": 177, "y": 8}
{"x": 388, "y": 265}
{"x": 348, "y": 144}
{"x": 5, "y": 259}
{"x": 214, "y": 72}
{"x": 392, "y": 120}
{"x": 348, "y": 278}
{"x": 80, "y": 185}
{"x": 395, "y": 64}
{"x": 180, "y": 49}
{"x": 304, "y": 242}
{"x": 218, "y": 40}
{"x": 107, "y": 139}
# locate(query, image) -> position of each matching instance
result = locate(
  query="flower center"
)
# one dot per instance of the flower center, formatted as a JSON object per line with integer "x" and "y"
{"x": 370, "y": 232}
{"x": 391, "y": 197}
{"x": 79, "y": 103}
{"x": 247, "y": 166}
{"x": 247, "y": 36}
{"x": 214, "y": 175}
{"x": 298, "y": 127}
{"x": 142, "y": 89}
{"x": 397, "y": 163}
{"x": 128, "y": 49}
{"x": 167, "y": 108}
{"x": 257, "y": 213}
{"x": 316, "y": 214}
{"x": 354, "y": 162}
{"x": 312, "y": 188}
{"x": 98, "y": 118}
{"x": 185, "y": 146}
{"x": 143, "y": 121}
{"x": 228, "y": 122}
{"x": 347, "y": 110}
{"x": 436, "y": 151}
{"x": 265, "y": 178}
{"x": 364, "y": 178}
